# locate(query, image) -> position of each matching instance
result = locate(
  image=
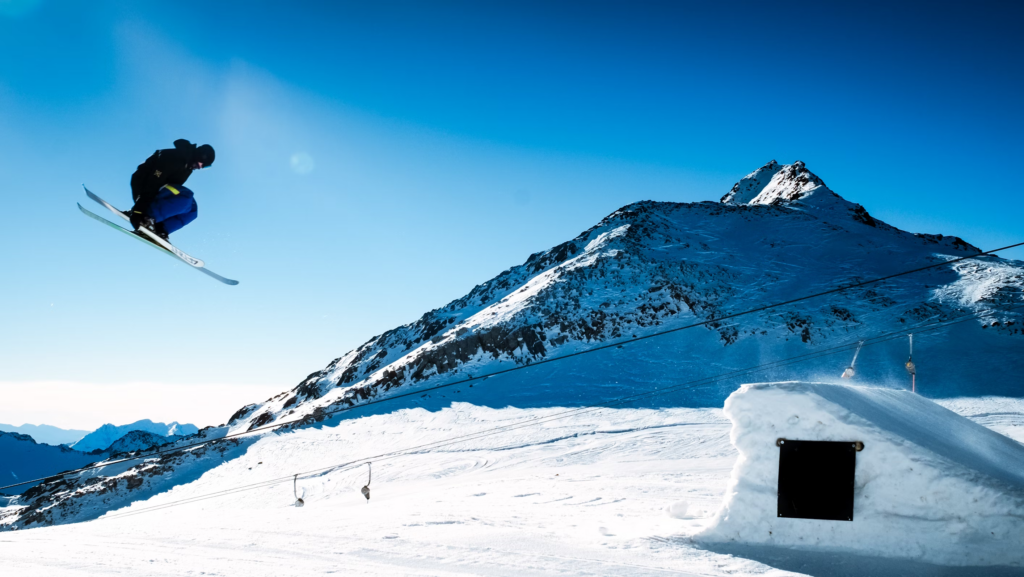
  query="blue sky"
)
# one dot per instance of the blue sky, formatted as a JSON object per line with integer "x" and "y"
{"x": 377, "y": 160}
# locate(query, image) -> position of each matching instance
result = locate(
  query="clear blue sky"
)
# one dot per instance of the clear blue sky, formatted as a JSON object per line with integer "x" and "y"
{"x": 438, "y": 143}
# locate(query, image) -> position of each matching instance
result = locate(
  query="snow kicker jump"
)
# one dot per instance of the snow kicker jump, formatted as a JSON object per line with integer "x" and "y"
{"x": 926, "y": 484}
{"x": 152, "y": 239}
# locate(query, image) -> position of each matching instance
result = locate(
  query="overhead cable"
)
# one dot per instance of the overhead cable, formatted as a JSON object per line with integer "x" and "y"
{"x": 615, "y": 344}
{"x": 540, "y": 419}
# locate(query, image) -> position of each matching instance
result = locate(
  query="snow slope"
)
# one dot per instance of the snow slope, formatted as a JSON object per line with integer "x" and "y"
{"x": 102, "y": 437}
{"x": 609, "y": 492}
{"x": 47, "y": 434}
{"x": 930, "y": 485}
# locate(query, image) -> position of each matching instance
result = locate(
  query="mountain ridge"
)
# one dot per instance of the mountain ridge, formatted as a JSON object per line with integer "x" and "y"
{"x": 47, "y": 434}
{"x": 107, "y": 434}
{"x": 773, "y": 197}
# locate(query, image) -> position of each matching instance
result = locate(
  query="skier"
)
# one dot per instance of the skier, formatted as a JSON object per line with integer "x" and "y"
{"x": 162, "y": 204}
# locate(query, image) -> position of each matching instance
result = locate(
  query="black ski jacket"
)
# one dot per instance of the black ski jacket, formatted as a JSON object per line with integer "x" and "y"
{"x": 168, "y": 166}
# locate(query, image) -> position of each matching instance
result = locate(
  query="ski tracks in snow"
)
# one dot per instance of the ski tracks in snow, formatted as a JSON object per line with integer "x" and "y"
{"x": 612, "y": 492}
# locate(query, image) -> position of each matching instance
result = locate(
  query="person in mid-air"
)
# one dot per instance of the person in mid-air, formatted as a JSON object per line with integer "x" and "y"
{"x": 162, "y": 204}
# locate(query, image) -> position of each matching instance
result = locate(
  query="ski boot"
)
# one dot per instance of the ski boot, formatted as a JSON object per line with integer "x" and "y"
{"x": 140, "y": 221}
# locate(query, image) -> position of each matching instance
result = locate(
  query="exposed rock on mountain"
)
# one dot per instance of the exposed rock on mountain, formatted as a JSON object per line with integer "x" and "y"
{"x": 139, "y": 441}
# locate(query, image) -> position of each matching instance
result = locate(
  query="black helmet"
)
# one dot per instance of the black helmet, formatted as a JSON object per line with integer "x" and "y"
{"x": 205, "y": 155}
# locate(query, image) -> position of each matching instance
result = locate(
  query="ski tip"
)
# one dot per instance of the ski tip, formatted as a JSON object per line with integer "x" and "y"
{"x": 212, "y": 274}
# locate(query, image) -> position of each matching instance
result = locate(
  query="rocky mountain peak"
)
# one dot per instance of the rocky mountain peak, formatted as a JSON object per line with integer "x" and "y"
{"x": 752, "y": 184}
{"x": 775, "y": 184}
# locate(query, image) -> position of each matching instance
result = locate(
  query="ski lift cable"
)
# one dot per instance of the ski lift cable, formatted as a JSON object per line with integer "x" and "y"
{"x": 686, "y": 386}
{"x": 353, "y": 464}
{"x": 273, "y": 426}
{"x": 404, "y": 452}
{"x": 673, "y": 388}
{"x": 443, "y": 385}
{"x": 532, "y": 421}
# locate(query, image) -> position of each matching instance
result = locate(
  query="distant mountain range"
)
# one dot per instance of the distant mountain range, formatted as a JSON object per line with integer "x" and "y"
{"x": 23, "y": 458}
{"x": 104, "y": 436}
{"x": 46, "y": 433}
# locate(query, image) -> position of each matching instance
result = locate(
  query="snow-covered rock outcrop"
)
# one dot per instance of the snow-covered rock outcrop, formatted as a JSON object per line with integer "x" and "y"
{"x": 777, "y": 184}
{"x": 930, "y": 485}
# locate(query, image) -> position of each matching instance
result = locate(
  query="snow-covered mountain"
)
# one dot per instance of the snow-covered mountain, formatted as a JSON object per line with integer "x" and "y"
{"x": 47, "y": 434}
{"x": 651, "y": 266}
{"x": 139, "y": 441}
{"x": 780, "y": 233}
{"x": 102, "y": 437}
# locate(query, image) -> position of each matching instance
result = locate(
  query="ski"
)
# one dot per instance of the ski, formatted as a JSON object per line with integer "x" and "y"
{"x": 139, "y": 238}
{"x": 149, "y": 234}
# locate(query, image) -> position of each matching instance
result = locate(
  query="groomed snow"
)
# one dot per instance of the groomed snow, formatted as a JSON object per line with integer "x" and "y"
{"x": 930, "y": 485}
{"x": 609, "y": 492}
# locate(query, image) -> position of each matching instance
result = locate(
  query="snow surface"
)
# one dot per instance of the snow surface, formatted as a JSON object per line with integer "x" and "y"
{"x": 606, "y": 492}
{"x": 929, "y": 485}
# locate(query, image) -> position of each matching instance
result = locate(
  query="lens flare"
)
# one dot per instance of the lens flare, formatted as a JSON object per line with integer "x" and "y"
{"x": 302, "y": 163}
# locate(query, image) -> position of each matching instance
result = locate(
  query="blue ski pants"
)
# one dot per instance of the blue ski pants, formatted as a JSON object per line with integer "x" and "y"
{"x": 173, "y": 207}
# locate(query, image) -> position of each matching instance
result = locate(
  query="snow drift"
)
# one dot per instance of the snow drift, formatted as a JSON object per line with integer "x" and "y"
{"x": 930, "y": 485}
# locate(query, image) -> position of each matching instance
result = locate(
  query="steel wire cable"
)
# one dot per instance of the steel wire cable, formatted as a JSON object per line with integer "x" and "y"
{"x": 520, "y": 367}
{"x": 540, "y": 419}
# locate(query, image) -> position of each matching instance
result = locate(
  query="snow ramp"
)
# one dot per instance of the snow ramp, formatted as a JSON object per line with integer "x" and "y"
{"x": 928, "y": 484}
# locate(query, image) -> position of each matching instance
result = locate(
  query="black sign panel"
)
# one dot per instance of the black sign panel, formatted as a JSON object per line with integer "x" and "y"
{"x": 816, "y": 479}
